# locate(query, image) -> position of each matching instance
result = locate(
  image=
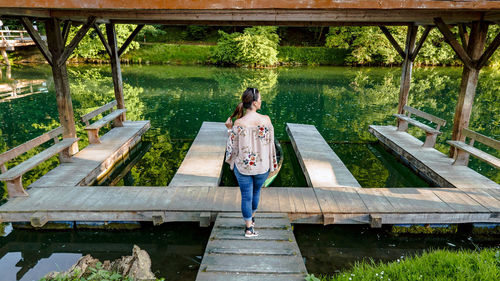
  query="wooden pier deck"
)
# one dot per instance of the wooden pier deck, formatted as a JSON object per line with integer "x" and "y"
{"x": 334, "y": 205}
{"x": 202, "y": 165}
{"x": 95, "y": 160}
{"x": 321, "y": 166}
{"x": 273, "y": 255}
{"x": 434, "y": 165}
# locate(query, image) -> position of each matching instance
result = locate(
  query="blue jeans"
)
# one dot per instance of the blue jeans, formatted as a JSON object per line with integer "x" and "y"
{"x": 250, "y": 191}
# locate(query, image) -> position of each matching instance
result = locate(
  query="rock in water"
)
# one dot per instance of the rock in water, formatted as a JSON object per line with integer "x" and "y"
{"x": 137, "y": 266}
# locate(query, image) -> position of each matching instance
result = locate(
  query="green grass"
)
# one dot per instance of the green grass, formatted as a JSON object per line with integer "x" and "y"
{"x": 311, "y": 55}
{"x": 442, "y": 265}
{"x": 184, "y": 54}
{"x": 159, "y": 53}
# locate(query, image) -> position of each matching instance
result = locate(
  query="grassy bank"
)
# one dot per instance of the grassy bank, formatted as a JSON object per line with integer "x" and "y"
{"x": 159, "y": 53}
{"x": 436, "y": 265}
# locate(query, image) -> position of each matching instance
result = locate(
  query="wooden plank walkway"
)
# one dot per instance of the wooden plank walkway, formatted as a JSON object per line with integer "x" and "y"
{"x": 95, "y": 160}
{"x": 273, "y": 255}
{"x": 321, "y": 166}
{"x": 428, "y": 161}
{"x": 335, "y": 205}
{"x": 202, "y": 165}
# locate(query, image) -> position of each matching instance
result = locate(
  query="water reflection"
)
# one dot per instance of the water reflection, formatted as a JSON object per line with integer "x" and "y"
{"x": 175, "y": 250}
{"x": 340, "y": 101}
{"x": 329, "y": 249}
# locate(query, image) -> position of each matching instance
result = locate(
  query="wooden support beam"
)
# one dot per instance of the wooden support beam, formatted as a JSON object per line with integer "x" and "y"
{"x": 450, "y": 38}
{"x": 74, "y": 42}
{"x": 42, "y": 46}
{"x": 39, "y": 219}
{"x": 103, "y": 39}
{"x": 489, "y": 52}
{"x": 158, "y": 218}
{"x": 65, "y": 31}
{"x": 61, "y": 83}
{"x": 468, "y": 85}
{"x": 115, "y": 67}
{"x": 205, "y": 218}
{"x": 407, "y": 66}
{"x": 129, "y": 39}
{"x": 393, "y": 41}
{"x": 375, "y": 221}
{"x": 421, "y": 42}
{"x": 464, "y": 36}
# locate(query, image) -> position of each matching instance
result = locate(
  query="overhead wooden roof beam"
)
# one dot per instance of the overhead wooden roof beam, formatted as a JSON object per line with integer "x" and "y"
{"x": 129, "y": 39}
{"x": 393, "y": 41}
{"x": 420, "y": 43}
{"x": 450, "y": 38}
{"x": 74, "y": 42}
{"x": 103, "y": 39}
{"x": 489, "y": 52}
{"x": 42, "y": 46}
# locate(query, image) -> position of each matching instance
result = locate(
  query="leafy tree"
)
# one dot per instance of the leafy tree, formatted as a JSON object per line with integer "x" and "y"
{"x": 91, "y": 46}
{"x": 256, "y": 46}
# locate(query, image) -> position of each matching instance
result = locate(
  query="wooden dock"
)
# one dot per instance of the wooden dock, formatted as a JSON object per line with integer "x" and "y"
{"x": 434, "y": 165}
{"x": 321, "y": 166}
{"x": 96, "y": 160}
{"x": 335, "y": 205}
{"x": 202, "y": 165}
{"x": 273, "y": 255}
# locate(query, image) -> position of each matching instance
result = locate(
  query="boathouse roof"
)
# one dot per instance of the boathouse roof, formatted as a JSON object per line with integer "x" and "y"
{"x": 249, "y": 12}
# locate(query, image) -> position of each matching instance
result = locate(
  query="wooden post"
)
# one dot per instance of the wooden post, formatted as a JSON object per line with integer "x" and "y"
{"x": 116, "y": 67}
{"x": 475, "y": 46}
{"x": 404, "y": 88}
{"x": 4, "y": 55}
{"x": 59, "y": 72}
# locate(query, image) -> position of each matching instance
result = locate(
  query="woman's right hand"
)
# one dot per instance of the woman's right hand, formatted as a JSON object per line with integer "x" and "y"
{"x": 229, "y": 123}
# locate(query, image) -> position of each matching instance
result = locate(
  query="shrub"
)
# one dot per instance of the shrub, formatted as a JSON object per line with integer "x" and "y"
{"x": 256, "y": 46}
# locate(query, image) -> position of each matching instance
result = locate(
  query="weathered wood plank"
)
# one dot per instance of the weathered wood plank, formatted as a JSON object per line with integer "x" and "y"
{"x": 88, "y": 164}
{"x": 20, "y": 149}
{"x": 321, "y": 166}
{"x": 433, "y": 164}
{"x": 493, "y": 143}
{"x": 425, "y": 115}
{"x": 458, "y": 200}
{"x": 202, "y": 165}
{"x": 36, "y": 160}
{"x": 105, "y": 120}
{"x": 104, "y": 108}
{"x": 488, "y": 158}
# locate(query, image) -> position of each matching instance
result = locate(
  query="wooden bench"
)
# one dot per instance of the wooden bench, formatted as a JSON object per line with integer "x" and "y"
{"x": 431, "y": 133}
{"x": 13, "y": 176}
{"x": 464, "y": 149}
{"x": 93, "y": 129}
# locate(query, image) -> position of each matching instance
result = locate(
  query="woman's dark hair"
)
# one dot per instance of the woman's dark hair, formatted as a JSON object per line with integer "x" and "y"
{"x": 249, "y": 96}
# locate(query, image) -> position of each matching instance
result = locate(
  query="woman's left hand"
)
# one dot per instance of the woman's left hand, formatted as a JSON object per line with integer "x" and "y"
{"x": 229, "y": 123}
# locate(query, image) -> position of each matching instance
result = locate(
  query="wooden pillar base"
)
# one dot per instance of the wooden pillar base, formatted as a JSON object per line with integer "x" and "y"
{"x": 93, "y": 136}
{"x": 430, "y": 140}
{"x": 375, "y": 221}
{"x": 402, "y": 125}
{"x": 4, "y": 55}
{"x": 118, "y": 121}
{"x": 15, "y": 188}
{"x": 461, "y": 158}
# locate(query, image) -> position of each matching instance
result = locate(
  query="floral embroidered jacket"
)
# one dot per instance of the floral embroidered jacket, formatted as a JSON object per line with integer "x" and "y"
{"x": 251, "y": 149}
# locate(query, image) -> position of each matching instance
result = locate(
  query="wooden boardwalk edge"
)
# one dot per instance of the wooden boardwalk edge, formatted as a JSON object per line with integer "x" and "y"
{"x": 343, "y": 205}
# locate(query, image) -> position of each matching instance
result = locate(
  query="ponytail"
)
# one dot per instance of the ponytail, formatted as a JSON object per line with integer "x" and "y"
{"x": 238, "y": 112}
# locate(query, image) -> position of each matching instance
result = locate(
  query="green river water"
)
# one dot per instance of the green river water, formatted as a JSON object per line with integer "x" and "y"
{"x": 340, "y": 101}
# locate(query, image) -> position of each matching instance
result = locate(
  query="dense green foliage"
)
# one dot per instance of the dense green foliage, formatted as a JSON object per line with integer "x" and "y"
{"x": 368, "y": 45}
{"x": 159, "y": 53}
{"x": 437, "y": 265}
{"x": 90, "y": 47}
{"x": 311, "y": 55}
{"x": 256, "y": 46}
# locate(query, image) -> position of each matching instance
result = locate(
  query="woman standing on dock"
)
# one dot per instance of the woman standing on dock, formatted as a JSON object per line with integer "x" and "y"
{"x": 250, "y": 152}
